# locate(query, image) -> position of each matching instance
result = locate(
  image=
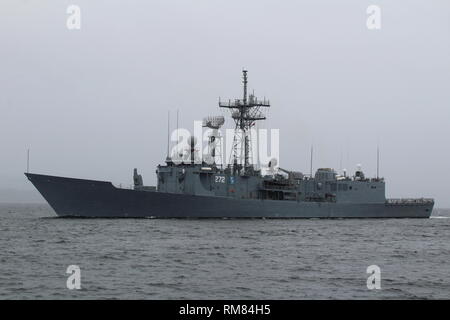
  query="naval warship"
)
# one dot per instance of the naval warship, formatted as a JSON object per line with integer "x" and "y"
{"x": 189, "y": 188}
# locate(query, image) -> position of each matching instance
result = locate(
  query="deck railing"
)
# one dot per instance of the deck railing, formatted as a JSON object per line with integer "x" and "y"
{"x": 410, "y": 201}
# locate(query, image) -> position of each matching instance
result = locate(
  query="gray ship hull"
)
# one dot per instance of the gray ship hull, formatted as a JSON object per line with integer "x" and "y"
{"x": 89, "y": 198}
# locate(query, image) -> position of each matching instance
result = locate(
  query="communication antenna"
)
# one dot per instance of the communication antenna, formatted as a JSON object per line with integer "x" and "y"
{"x": 311, "y": 164}
{"x": 177, "y": 130}
{"x": 28, "y": 160}
{"x": 258, "y": 163}
{"x": 168, "y": 133}
{"x": 378, "y": 162}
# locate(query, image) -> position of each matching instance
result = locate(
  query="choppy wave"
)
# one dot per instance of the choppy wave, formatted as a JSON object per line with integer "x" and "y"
{"x": 221, "y": 259}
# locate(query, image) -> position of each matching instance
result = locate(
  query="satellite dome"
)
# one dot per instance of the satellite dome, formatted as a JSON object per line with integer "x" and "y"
{"x": 272, "y": 163}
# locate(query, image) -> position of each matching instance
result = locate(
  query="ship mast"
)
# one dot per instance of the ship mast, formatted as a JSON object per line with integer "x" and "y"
{"x": 245, "y": 112}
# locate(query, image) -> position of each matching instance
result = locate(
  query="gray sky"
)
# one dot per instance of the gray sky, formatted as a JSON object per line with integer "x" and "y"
{"x": 92, "y": 103}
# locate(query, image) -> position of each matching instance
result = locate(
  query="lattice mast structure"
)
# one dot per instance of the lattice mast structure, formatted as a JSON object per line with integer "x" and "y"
{"x": 245, "y": 112}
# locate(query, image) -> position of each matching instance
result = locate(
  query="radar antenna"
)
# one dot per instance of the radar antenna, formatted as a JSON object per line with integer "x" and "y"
{"x": 245, "y": 112}
{"x": 214, "y": 123}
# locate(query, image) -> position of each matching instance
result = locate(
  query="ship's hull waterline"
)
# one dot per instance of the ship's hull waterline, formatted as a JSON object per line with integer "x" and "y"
{"x": 89, "y": 198}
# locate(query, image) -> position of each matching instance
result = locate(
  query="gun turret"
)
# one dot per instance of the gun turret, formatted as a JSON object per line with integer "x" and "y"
{"x": 292, "y": 175}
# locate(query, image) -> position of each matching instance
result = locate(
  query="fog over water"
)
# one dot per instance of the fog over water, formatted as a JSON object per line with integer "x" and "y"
{"x": 92, "y": 103}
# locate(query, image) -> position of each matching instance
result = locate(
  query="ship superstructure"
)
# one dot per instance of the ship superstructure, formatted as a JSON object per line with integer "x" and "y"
{"x": 240, "y": 179}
